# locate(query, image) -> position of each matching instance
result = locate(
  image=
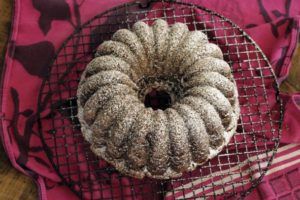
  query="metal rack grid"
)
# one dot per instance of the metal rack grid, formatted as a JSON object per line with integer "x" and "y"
{"x": 234, "y": 172}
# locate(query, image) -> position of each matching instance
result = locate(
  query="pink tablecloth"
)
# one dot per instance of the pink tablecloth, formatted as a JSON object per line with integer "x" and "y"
{"x": 40, "y": 27}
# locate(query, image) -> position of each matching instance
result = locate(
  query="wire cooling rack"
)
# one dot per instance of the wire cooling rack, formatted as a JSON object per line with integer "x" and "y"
{"x": 233, "y": 173}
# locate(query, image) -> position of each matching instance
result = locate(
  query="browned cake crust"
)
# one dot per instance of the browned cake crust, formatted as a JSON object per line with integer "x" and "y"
{"x": 162, "y": 144}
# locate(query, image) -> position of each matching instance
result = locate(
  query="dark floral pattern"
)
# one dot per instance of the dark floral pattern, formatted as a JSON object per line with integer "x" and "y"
{"x": 284, "y": 18}
{"x": 35, "y": 58}
{"x": 51, "y": 10}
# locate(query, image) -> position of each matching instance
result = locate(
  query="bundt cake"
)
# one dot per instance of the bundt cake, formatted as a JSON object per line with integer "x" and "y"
{"x": 138, "y": 140}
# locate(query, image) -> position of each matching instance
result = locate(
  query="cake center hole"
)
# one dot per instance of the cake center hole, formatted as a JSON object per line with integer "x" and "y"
{"x": 158, "y": 99}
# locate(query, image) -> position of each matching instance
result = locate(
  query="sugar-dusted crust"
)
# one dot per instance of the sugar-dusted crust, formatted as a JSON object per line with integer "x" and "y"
{"x": 161, "y": 144}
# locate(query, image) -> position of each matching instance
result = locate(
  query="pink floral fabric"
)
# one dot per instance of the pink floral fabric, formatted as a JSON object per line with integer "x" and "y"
{"x": 39, "y": 29}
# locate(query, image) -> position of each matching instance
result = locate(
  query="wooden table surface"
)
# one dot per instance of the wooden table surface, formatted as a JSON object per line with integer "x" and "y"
{"x": 14, "y": 185}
